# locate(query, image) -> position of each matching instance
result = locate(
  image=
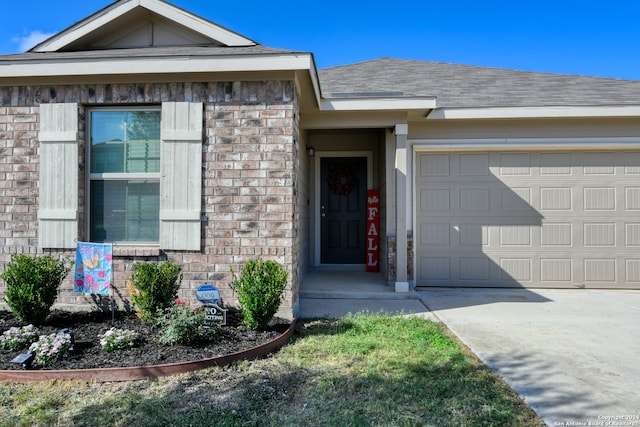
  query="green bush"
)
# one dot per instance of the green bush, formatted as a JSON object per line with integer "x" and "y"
{"x": 32, "y": 285}
{"x": 180, "y": 324}
{"x": 154, "y": 288}
{"x": 260, "y": 291}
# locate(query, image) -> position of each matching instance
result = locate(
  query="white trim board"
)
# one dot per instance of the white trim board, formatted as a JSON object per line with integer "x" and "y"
{"x": 533, "y": 112}
{"x": 536, "y": 144}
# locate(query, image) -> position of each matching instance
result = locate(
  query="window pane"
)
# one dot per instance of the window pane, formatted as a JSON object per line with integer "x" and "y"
{"x": 125, "y": 211}
{"x": 125, "y": 141}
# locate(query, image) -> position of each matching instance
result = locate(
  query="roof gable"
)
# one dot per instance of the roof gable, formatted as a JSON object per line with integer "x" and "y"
{"x": 141, "y": 23}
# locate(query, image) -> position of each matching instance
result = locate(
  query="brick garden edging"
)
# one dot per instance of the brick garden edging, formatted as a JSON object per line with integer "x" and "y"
{"x": 146, "y": 372}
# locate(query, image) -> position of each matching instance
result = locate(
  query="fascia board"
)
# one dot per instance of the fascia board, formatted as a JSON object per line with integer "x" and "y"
{"x": 533, "y": 112}
{"x": 154, "y": 65}
{"x": 378, "y": 104}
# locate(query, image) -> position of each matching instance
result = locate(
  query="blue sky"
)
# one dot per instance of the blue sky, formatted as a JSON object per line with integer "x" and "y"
{"x": 571, "y": 37}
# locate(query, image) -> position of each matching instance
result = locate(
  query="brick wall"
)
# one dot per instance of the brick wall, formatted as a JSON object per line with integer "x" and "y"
{"x": 250, "y": 160}
{"x": 392, "y": 268}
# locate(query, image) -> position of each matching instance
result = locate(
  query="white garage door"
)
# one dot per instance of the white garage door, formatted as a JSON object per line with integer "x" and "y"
{"x": 528, "y": 219}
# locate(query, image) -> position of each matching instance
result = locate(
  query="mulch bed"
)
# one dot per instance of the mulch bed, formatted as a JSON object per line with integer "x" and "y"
{"x": 87, "y": 327}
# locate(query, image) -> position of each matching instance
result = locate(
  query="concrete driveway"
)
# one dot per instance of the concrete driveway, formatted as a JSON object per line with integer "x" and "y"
{"x": 573, "y": 355}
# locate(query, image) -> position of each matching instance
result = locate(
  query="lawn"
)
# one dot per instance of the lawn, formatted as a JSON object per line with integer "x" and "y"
{"x": 364, "y": 370}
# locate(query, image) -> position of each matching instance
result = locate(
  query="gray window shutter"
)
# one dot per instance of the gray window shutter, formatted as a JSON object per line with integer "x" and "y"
{"x": 58, "y": 198}
{"x": 181, "y": 175}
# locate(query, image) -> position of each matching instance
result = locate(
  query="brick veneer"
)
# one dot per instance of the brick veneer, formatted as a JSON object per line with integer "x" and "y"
{"x": 391, "y": 259}
{"x": 250, "y": 162}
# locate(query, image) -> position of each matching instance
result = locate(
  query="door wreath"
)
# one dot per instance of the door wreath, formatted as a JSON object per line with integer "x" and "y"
{"x": 342, "y": 180}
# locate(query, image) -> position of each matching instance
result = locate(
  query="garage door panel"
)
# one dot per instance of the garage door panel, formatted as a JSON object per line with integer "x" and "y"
{"x": 518, "y": 269}
{"x": 434, "y": 165}
{"x": 556, "y": 234}
{"x": 473, "y": 164}
{"x": 550, "y": 219}
{"x": 632, "y": 199}
{"x": 632, "y": 270}
{"x": 474, "y": 199}
{"x": 632, "y": 234}
{"x": 435, "y": 234}
{"x": 556, "y": 270}
{"x": 632, "y": 163}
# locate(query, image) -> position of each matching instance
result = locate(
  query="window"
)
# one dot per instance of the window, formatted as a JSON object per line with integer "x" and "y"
{"x": 124, "y": 175}
{"x": 145, "y": 175}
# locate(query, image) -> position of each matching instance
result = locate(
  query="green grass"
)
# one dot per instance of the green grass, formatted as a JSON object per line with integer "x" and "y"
{"x": 364, "y": 370}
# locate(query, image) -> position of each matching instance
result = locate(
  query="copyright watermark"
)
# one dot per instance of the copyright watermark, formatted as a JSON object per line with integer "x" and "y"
{"x": 604, "y": 420}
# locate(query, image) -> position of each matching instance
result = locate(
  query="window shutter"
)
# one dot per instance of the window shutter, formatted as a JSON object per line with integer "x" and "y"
{"x": 58, "y": 198}
{"x": 181, "y": 175}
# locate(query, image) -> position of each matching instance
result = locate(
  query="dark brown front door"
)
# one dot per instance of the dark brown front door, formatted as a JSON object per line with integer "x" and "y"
{"x": 343, "y": 203}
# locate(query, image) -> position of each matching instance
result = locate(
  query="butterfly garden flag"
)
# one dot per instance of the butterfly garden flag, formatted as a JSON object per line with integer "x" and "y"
{"x": 93, "y": 268}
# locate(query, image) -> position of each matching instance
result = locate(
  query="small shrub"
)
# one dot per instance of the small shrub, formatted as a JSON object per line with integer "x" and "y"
{"x": 32, "y": 286}
{"x": 50, "y": 348}
{"x": 117, "y": 339}
{"x": 260, "y": 291}
{"x": 154, "y": 287}
{"x": 180, "y": 324}
{"x": 18, "y": 338}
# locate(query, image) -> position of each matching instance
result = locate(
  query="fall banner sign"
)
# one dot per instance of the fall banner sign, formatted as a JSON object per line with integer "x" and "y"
{"x": 373, "y": 226}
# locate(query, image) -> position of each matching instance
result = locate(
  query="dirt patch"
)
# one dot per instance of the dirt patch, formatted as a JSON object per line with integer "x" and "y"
{"x": 87, "y": 327}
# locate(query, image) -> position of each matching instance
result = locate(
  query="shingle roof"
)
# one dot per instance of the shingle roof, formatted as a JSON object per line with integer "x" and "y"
{"x": 470, "y": 86}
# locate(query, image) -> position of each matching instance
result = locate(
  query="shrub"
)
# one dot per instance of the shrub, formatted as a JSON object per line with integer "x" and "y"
{"x": 116, "y": 339}
{"x": 154, "y": 287}
{"x": 260, "y": 291}
{"x": 18, "y": 338}
{"x": 50, "y": 348}
{"x": 32, "y": 286}
{"x": 181, "y": 324}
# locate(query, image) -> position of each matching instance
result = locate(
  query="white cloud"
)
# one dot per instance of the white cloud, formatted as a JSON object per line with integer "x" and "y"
{"x": 30, "y": 40}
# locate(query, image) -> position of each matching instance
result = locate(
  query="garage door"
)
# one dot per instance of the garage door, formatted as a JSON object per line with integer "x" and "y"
{"x": 528, "y": 219}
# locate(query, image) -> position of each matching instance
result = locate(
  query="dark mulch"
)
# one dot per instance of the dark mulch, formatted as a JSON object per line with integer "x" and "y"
{"x": 87, "y": 327}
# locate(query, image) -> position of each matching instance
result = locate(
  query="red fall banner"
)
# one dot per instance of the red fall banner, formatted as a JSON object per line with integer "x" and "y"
{"x": 373, "y": 227}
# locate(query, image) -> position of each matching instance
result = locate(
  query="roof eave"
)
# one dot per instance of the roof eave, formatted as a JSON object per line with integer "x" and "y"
{"x": 540, "y": 112}
{"x": 379, "y": 104}
{"x": 51, "y": 67}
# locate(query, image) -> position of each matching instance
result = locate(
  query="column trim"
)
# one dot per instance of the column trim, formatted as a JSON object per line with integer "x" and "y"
{"x": 401, "y": 132}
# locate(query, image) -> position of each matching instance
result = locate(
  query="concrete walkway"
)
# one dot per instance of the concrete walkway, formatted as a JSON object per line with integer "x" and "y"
{"x": 573, "y": 355}
{"x": 333, "y": 292}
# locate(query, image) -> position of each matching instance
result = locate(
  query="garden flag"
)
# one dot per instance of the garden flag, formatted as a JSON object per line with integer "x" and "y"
{"x": 93, "y": 268}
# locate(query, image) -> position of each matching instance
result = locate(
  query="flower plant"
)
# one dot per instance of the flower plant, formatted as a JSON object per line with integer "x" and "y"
{"x": 180, "y": 324}
{"x": 18, "y": 338}
{"x": 50, "y": 348}
{"x": 116, "y": 339}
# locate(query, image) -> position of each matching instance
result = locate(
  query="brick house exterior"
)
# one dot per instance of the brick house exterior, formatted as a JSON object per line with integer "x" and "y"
{"x": 486, "y": 177}
{"x": 249, "y": 159}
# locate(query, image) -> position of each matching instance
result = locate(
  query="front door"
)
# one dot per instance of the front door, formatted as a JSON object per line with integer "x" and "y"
{"x": 343, "y": 201}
